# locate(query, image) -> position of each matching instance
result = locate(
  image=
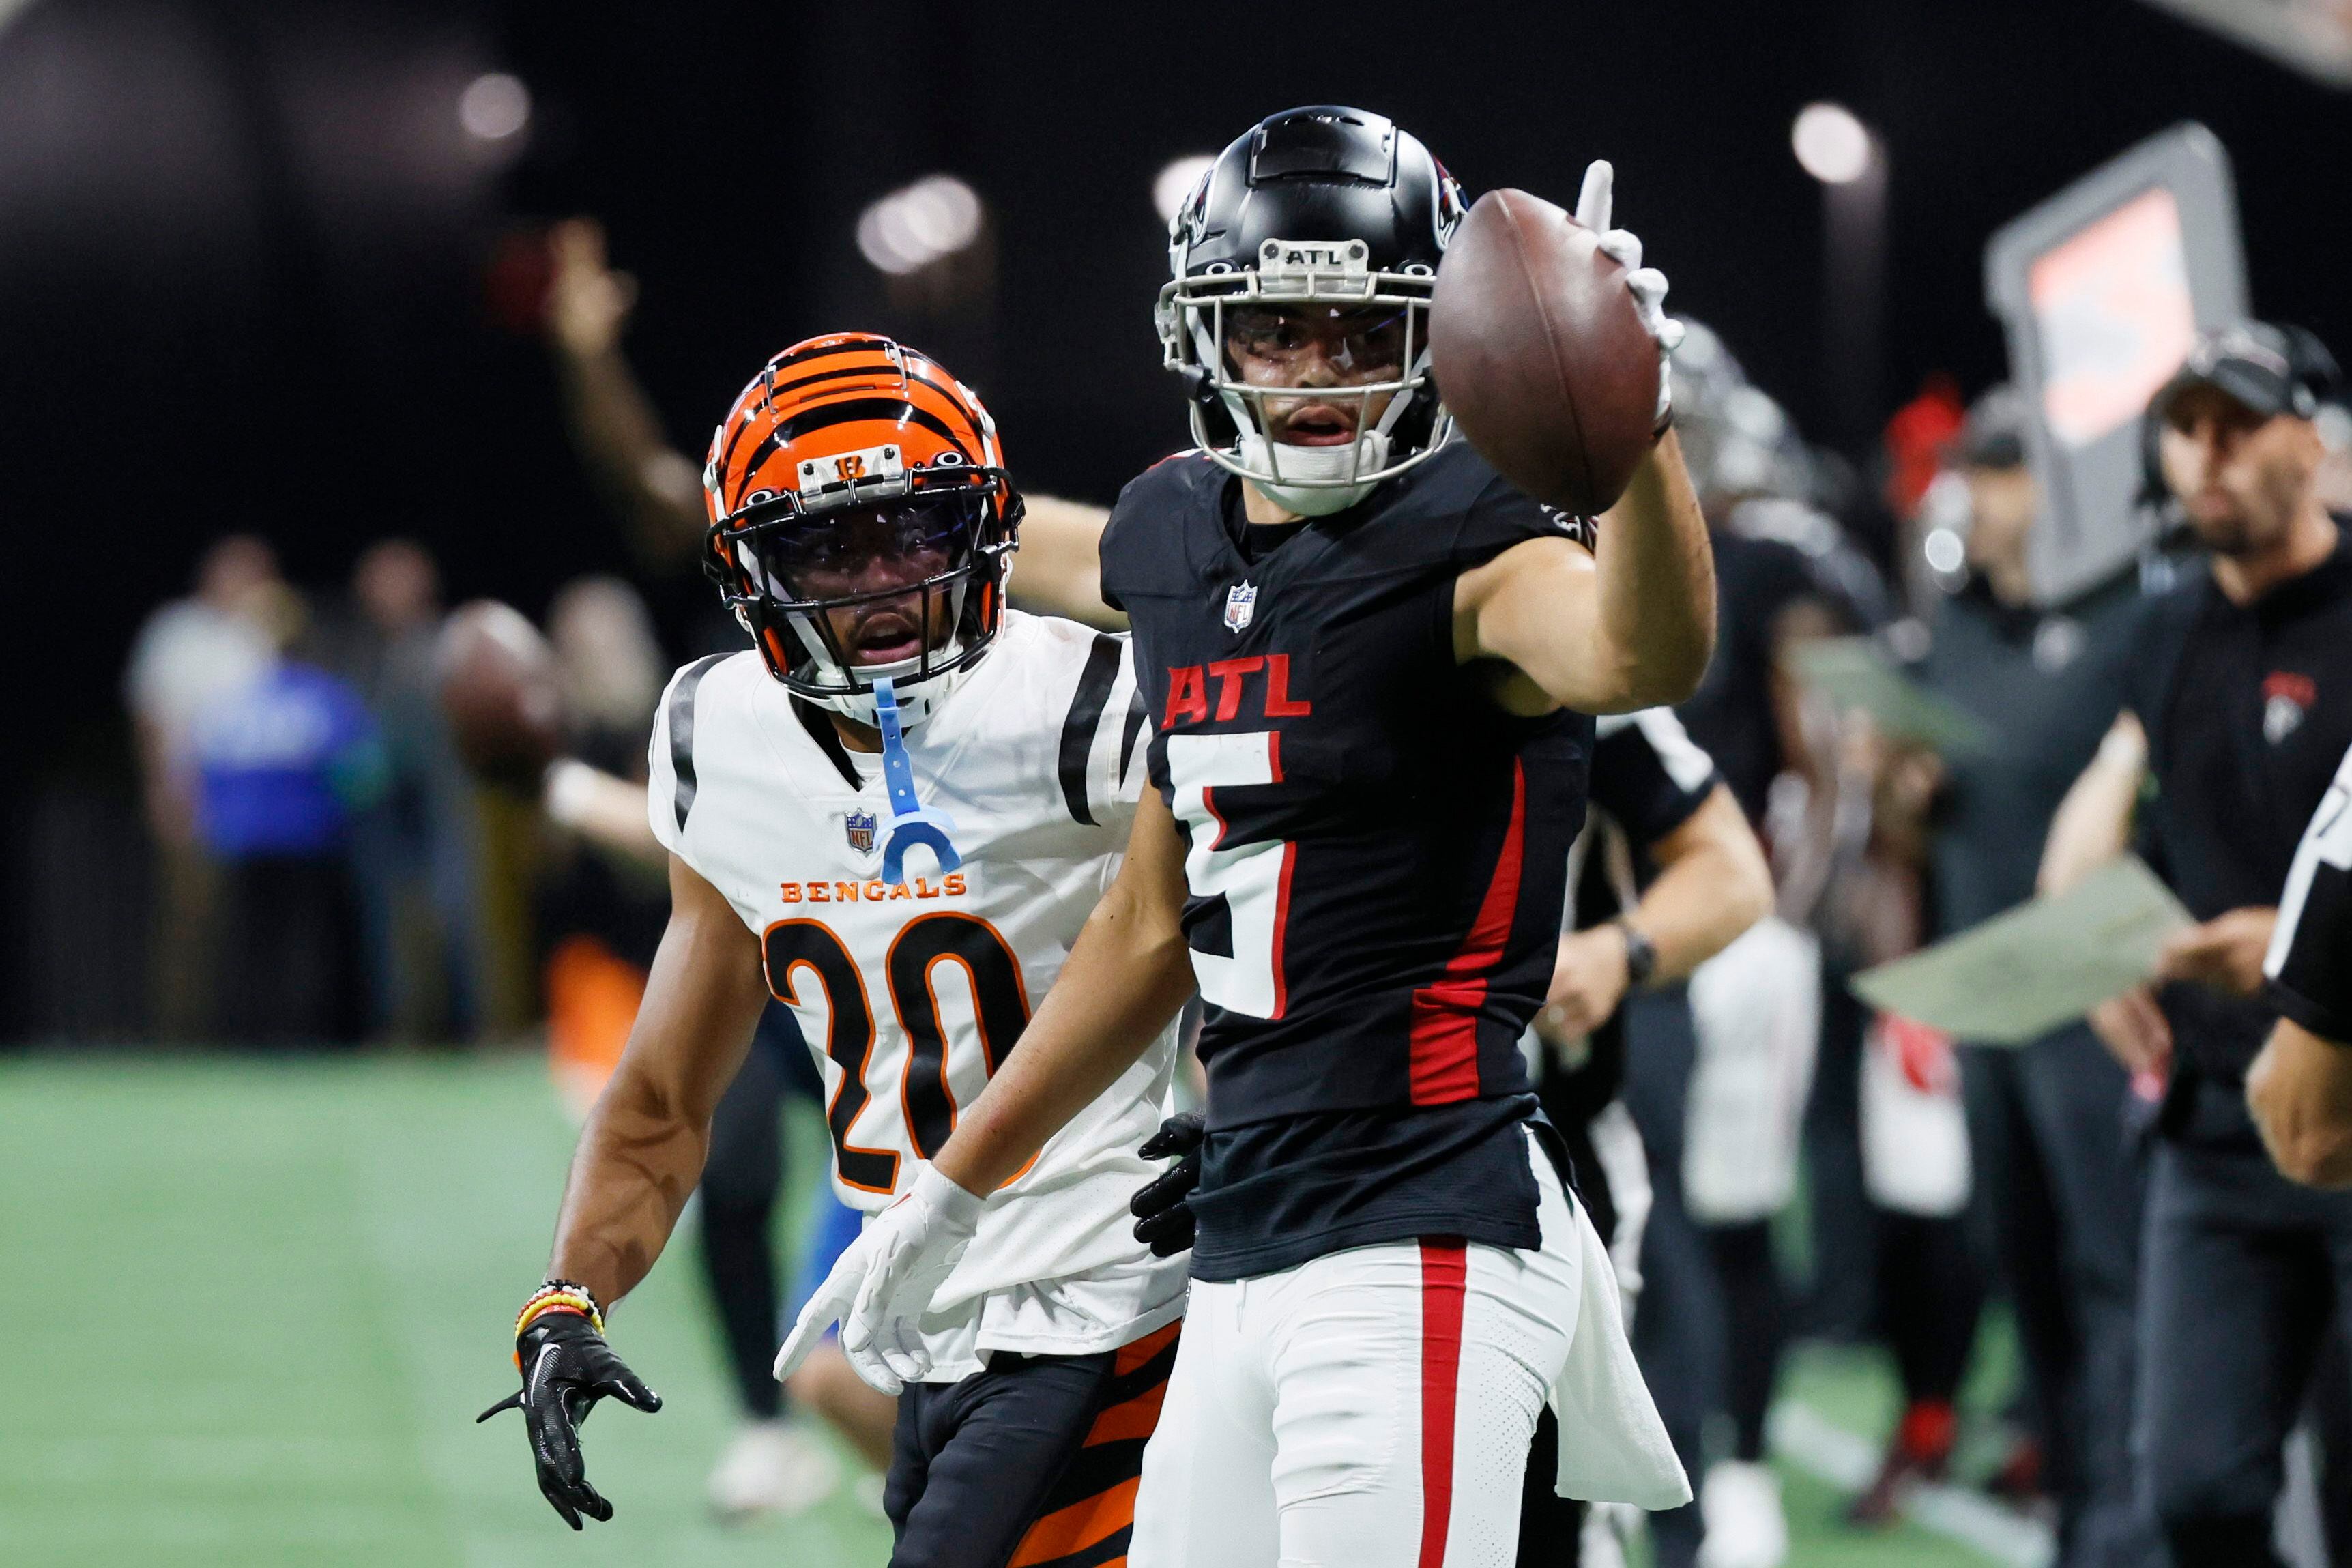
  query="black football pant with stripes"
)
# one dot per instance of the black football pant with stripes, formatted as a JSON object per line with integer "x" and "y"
{"x": 1030, "y": 1464}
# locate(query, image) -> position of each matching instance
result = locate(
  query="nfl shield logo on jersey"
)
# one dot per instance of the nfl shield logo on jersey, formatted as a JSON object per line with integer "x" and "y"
{"x": 860, "y": 825}
{"x": 1240, "y": 603}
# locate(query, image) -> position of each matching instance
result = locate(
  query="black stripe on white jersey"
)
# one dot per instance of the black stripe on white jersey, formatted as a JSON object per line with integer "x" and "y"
{"x": 1095, "y": 683}
{"x": 821, "y": 728}
{"x": 681, "y": 731}
{"x": 1135, "y": 711}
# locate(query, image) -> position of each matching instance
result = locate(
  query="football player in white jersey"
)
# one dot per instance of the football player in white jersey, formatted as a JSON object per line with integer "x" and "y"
{"x": 895, "y": 816}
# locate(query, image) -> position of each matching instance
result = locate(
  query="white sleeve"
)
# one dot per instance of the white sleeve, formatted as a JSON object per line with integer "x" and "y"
{"x": 669, "y": 758}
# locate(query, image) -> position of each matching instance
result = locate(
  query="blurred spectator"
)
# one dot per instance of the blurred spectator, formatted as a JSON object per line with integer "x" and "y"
{"x": 611, "y": 664}
{"x": 1784, "y": 573}
{"x": 2047, "y": 1122}
{"x": 657, "y": 488}
{"x": 1665, "y": 876}
{"x": 2240, "y": 708}
{"x": 413, "y": 857}
{"x": 602, "y": 898}
{"x": 284, "y": 762}
{"x": 189, "y": 653}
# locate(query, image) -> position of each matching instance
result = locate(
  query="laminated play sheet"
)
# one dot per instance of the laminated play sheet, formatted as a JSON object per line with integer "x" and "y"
{"x": 2020, "y": 974}
{"x": 1856, "y": 672}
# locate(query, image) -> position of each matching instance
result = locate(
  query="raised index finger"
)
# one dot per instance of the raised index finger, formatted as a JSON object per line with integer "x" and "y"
{"x": 1594, "y": 201}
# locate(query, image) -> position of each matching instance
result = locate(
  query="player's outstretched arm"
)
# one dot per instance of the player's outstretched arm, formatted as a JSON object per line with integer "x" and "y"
{"x": 1712, "y": 884}
{"x": 641, "y": 1154}
{"x": 639, "y": 1158}
{"x": 1630, "y": 625}
{"x": 1633, "y": 626}
{"x": 1127, "y": 975}
{"x": 1059, "y": 570}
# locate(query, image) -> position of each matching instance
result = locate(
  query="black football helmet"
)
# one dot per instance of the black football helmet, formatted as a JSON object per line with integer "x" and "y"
{"x": 1329, "y": 207}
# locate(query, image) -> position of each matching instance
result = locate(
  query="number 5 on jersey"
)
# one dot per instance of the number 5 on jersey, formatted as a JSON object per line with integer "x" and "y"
{"x": 1251, "y": 880}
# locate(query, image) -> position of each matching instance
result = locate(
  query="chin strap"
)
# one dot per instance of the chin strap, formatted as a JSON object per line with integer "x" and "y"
{"x": 911, "y": 822}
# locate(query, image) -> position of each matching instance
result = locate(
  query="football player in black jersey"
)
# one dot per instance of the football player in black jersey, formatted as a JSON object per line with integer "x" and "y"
{"x": 1371, "y": 663}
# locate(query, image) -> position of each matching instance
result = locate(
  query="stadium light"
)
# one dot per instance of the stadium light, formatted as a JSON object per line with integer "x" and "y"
{"x": 913, "y": 226}
{"x": 1176, "y": 182}
{"x": 494, "y": 107}
{"x": 1833, "y": 146}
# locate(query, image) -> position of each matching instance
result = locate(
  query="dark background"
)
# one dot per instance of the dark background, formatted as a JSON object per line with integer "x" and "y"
{"x": 244, "y": 250}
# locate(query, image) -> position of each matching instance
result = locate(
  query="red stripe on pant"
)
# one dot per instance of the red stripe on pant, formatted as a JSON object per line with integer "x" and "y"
{"x": 1444, "y": 1266}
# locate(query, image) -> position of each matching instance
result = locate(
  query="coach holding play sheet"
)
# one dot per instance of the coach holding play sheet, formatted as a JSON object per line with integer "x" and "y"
{"x": 2241, "y": 685}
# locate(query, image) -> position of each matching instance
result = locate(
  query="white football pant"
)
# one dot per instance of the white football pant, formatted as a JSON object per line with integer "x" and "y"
{"x": 1370, "y": 1409}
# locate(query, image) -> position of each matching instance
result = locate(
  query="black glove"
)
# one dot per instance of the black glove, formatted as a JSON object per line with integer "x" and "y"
{"x": 567, "y": 1367}
{"x": 1163, "y": 1212}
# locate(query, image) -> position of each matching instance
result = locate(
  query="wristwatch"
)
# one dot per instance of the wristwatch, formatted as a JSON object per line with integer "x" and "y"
{"x": 1641, "y": 954}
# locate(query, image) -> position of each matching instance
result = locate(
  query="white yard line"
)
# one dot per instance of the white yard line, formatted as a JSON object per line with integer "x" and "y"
{"x": 1803, "y": 1438}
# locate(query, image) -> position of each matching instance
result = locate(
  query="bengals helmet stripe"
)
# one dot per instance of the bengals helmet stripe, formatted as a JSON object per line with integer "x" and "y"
{"x": 880, "y": 411}
{"x": 864, "y": 439}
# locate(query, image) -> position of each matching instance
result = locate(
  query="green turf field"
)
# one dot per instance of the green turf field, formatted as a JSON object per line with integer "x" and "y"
{"x": 251, "y": 1308}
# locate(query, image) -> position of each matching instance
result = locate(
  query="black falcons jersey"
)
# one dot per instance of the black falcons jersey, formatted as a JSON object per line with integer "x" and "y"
{"x": 2310, "y": 961}
{"x": 2248, "y": 709}
{"x": 1377, "y": 852}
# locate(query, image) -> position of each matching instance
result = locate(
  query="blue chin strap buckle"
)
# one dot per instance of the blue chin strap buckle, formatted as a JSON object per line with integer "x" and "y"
{"x": 911, "y": 822}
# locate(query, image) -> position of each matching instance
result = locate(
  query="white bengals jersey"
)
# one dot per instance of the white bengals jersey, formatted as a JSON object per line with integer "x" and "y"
{"x": 909, "y": 996}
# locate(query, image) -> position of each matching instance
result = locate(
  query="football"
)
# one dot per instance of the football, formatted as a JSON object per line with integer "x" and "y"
{"x": 499, "y": 692}
{"x": 1538, "y": 351}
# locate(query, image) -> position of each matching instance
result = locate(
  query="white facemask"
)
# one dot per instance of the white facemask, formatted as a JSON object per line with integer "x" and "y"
{"x": 918, "y": 698}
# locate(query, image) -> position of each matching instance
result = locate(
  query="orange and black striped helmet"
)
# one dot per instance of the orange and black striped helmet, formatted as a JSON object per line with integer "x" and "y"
{"x": 862, "y": 523}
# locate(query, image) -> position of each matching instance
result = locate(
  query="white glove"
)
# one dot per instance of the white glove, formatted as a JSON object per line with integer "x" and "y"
{"x": 1647, "y": 284}
{"x": 882, "y": 1285}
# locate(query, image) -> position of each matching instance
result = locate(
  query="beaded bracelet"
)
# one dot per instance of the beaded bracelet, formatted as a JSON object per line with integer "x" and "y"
{"x": 560, "y": 1296}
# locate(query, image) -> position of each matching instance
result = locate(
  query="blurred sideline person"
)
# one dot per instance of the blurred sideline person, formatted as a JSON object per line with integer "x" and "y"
{"x": 2047, "y": 1122}
{"x": 1369, "y": 903}
{"x": 599, "y": 911}
{"x": 2239, "y": 709}
{"x": 1722, "y": 1101}
{"x": 413, "y": 857}
{"x": 2300, "y": 1087}
{"x": 187, "y": 654}
{"x": 286, "y": 762}
{"x": 894, "y": 817}
{"x": 1666, "y": 875}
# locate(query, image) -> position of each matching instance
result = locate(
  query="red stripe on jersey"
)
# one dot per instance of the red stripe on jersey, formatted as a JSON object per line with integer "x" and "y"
{"x": 1282, "y": 887}
{"x": 1445, "y": 1270}
{"x": 1444, "y": 1030}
